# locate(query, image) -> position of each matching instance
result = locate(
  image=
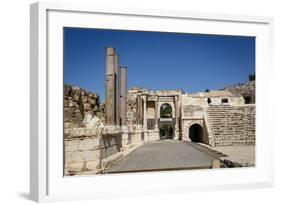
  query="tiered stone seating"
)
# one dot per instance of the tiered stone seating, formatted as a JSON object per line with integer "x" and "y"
{"x": 232, "y": 125}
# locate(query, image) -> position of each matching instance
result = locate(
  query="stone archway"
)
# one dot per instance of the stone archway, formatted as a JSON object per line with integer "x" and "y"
{"x": 166, "y": 111}
{"x": 196, "y": 133}
{"x": 166, "y": 123}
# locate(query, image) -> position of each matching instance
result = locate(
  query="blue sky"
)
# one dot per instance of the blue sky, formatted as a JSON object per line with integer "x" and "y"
{"x": 157, "y": 60}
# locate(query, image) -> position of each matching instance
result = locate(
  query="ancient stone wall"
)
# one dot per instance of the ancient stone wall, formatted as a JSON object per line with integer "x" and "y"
{"x": 78, "y": 103}
{"x": 88, "y": 149}
{"x": 84, "y": 144}
{"x": 81, "y": 150}
{"x": 232, "y": 125}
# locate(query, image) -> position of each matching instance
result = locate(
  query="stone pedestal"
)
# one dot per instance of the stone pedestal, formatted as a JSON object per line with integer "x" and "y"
{"x": 153, "y": 135}
{"x": 125, "y": 135}
{"x": 137, "y": 135}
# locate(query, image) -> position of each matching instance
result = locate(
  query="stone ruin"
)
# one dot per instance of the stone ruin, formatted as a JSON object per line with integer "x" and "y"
{"x": 96, "y": 135}
{"x": 78, "y": 103}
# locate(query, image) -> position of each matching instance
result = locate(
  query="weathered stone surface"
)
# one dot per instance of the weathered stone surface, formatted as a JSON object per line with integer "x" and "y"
{"x": 123, "y": 98}
{"x": 75, "y": 166}
{"x": 93, "y": 165}
{"x": 110, "y": 85}
{"x": 77, "y": 103}
{"x": 81, "y": 132}
{"x": 70, "y": 146}
{"x": 88, "y": 144}
{"x": 90, "y": 155}
{"x": 232, "y": 125}
{"x": 87, "y": 106}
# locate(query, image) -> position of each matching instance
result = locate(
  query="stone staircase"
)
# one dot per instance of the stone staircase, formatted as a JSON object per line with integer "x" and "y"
{"x": 232, "y": 125}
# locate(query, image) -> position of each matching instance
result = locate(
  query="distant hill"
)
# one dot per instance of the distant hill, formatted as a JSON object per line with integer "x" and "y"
{"x": 246, "y": 90}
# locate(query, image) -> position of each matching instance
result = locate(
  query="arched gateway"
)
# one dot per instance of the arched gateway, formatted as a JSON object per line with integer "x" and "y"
{"x": 196, "y": 133}
{"x": 166, "y": 124}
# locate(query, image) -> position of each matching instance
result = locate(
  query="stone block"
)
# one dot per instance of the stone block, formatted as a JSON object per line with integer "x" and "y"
{"x": 90, "y": 155}
{"x": 84, "y": 99}
{"x": 66, "y": 125}
{"x": 65, "y": 103}
{"x": 70, "y": 103}
{"x": 67, "y": 156}
{"x": 76, "y": 96}
{"x": 71, "y": 145}
{"x": 77, "y": 156}
{"x": 92, "y": 101}
{"x": 74, "y": 166}
{"x": 87, "y": 106}
{"x": 93, "y": 165}
{"x": 89, "y": 143}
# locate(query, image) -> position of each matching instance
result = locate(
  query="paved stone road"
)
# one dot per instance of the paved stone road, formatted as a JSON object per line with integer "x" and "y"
{"x": 163, "y": 155}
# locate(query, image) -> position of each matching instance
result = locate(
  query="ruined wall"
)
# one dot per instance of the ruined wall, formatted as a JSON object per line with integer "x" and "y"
{"x": 89, "y": 149}
{"x": 244, "y": 90}
{"x": 232, "y": 125}
{"x": 81, "y": 150}
{"x": 78, "y": 103}
{"x": 85, "y": 145}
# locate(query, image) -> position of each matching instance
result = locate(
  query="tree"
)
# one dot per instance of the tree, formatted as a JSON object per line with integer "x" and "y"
{"x": 252, "y": 77}
{"x": 207, "y": 90}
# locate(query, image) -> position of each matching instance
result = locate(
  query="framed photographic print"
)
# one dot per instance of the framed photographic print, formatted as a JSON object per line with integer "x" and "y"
{"x": 128, "y": 102}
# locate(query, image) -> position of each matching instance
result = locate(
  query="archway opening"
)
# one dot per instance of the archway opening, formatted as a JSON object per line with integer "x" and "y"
{"x": 166, "y": 131}
{"x": 166, "y": 111}
{"x": 196, "y": 133}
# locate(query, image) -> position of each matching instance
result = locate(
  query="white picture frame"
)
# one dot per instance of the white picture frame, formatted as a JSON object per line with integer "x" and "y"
{"x": 47, "y": 182}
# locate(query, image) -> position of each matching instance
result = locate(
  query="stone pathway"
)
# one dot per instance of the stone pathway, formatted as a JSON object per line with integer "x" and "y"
{"x": 163, "y": 155}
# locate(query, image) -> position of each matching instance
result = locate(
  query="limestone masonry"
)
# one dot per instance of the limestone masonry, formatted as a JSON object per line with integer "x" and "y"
{"x": 97, "y": 135}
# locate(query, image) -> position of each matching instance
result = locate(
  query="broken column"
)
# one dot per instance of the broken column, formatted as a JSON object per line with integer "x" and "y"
{"x": 123, "y": 104}
{"x": 110, "y": 98}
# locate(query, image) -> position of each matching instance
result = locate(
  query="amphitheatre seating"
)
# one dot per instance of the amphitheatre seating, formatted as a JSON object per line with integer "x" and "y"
{"x": 232, "y": 125}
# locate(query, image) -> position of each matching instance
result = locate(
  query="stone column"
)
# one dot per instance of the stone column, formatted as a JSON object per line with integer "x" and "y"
{"x": 177, "y": 119}
{"x": 156, "y": 114}
{"x": 117, "y": 89}
{"x": 139, "y": 110}
{"x": 123, "y": 105}
{"x": 144, "y": 118}
{"x": 110, "y": 87}
{"x": 144, "y": 112}
{"x": 123, "y": 96}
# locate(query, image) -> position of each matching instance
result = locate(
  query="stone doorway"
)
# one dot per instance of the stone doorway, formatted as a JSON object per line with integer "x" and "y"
{"x": 196, "y": 133}
{"x": 166, "y": 131}
{"x": 166, "y": 122}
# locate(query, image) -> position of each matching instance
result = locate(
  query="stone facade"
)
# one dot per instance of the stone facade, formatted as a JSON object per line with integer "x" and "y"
{"x": 96, "y": 135}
